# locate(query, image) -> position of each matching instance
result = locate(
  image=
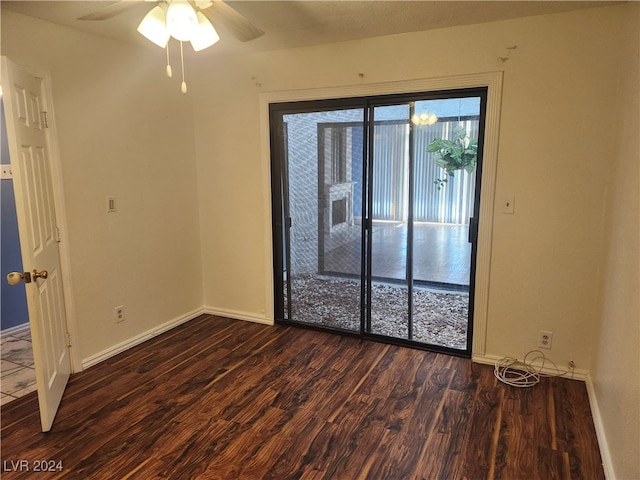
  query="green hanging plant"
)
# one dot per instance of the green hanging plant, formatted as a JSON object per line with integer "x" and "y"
{"x": 460, "y": 153}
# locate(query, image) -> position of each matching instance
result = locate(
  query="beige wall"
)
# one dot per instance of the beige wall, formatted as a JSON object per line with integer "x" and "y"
{"x": 124, "y": 131}
{"x": 557, "y": 106}
{"x": 617, "y": 340}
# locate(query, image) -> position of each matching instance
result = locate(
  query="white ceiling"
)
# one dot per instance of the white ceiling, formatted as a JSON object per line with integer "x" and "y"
{"x": 291, "y": 24}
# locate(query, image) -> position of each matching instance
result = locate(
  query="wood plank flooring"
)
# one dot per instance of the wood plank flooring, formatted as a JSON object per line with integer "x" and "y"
{"x": 225, "y": 399}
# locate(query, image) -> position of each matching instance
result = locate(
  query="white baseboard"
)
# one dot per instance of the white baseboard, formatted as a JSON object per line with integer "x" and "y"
{"x": 138, "y": 339}
{"x": 605, "y": 453}
{"x": 577, "y": 374}
{"x": 237, "y": 315}
{"x": 17, "y": 329}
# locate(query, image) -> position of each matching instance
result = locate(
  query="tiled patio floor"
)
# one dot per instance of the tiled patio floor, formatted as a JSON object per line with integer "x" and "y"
{"x": 18, "y": 374}
{"x": 441, "y": 253}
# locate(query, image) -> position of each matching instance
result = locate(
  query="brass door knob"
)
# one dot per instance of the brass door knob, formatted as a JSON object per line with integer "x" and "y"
{"x": 43, "y": 274}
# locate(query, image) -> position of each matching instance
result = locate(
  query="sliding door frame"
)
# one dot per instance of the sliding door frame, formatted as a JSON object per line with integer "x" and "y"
{"x": 493, "y": 82}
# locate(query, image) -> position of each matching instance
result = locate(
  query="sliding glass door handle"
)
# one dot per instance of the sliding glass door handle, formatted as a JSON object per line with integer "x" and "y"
{"x": 473, "y": 230}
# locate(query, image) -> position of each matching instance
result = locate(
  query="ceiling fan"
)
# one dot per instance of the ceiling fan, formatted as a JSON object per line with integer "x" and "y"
{"x": 185, "y": 21}
{"x": 217, "y": 11}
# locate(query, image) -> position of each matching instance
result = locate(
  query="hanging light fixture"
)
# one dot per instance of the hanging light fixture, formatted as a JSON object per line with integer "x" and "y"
{"x": 424, "y": 119}
{"x": 178, "y": 19}
{"x": 205, "y": 35}
{"x": 154, "y": 25}
{"x": 181, "y": 20}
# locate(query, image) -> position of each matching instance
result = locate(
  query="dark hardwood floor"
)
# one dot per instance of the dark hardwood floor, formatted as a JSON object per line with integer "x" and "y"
{"x": 224, "y": 399}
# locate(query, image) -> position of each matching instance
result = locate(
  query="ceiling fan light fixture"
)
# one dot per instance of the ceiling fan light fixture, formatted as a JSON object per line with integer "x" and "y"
{"x": 154, "y": 26}
{"x": 205, "y": 35}
{"x": 181, "y": 20}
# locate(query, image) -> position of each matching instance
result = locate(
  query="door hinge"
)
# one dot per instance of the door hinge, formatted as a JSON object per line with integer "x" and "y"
{"x": 68, "y": 339}
{"x": 45, "y": 119}
{"x": 58, "y": 235}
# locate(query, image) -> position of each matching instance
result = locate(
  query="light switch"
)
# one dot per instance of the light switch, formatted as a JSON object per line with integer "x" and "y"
{"x": 507, "y": 203}
{"x": 111, "y": 204}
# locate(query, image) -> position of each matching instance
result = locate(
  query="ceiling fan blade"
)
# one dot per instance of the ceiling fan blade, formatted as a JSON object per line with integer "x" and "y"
{"x": 224, "y": 15}
{"x": 109, "y": 11}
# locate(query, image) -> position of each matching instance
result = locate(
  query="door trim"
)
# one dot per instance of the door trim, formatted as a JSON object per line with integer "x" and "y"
{"x": 493, "y": 82}
{"x": 61, "y": 213}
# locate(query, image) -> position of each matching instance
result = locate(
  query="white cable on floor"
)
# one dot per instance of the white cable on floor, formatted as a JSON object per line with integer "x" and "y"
{"x": 523, "y": 374}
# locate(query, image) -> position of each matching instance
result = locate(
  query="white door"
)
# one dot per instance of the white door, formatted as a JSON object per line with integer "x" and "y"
{"x": 26, "y": 123}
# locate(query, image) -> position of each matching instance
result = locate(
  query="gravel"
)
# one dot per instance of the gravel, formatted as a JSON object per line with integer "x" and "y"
{"x": 439, "y": 318}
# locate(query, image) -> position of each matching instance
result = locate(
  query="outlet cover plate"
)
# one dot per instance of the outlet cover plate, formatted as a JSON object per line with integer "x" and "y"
{"x": 545, "y": 339}
{"x": 118, "y": 313}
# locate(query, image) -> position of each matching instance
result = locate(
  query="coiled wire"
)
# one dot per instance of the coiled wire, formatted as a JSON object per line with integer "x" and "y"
{"x": 523, "y": 373}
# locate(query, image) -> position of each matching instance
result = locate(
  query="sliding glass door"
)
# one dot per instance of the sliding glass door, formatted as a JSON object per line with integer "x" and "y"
{"x": 375, "y": 209}
{"x": 318, "y": 229}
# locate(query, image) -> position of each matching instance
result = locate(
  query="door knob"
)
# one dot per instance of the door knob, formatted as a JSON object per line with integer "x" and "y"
{"x": 14, "y": 278}
{"x": 43, "y": 274}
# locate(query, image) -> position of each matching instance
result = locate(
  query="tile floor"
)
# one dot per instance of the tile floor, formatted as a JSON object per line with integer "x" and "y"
{"x": 441, "y": 253}
{"x": 18, "y": 374}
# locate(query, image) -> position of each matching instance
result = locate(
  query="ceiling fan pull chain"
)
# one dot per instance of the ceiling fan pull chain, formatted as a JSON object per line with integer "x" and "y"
{"x": 169, "y": 72}
{"x": 184, "y": 85}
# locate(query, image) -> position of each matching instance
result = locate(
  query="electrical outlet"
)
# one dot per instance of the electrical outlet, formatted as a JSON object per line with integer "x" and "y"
{"x": 119, "y": 313}
{"x": 7, "y": 173}
{"x": 544, "y": 339}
